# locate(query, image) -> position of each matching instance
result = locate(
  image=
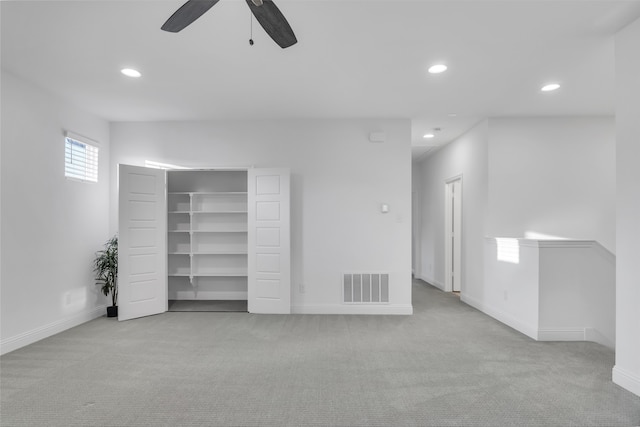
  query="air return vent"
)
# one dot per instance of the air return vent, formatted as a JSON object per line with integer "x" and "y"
{"x": 365, "y": 288}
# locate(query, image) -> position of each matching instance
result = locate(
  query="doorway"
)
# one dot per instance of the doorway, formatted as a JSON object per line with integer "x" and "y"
{"x": 453, "y": 234}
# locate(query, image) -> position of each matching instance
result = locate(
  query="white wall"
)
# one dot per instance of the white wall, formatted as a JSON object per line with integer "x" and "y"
{"x": 522, "y": 177}
{"x": 466, "y": 157}
{"x": 552, "y": 177}
{"x": 416, "y": 217}
{"x": 553, "y": 290}
{"x": 577, "y": 292}
{"x": 511, "y": 289}
{"x": 51, "y": 226}
{"x": 339, "y": 180}
{"x": 627, "y": 369}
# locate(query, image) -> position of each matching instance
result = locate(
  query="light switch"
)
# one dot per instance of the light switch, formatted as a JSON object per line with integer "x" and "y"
{"x": 384, "y": 208}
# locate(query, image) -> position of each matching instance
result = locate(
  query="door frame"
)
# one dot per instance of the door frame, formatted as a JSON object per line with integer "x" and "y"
{"x": 453, "y": 239}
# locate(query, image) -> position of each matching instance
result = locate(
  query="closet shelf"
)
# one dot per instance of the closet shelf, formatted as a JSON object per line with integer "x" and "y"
{"x": 223, "y": 252}
{"x": 219, "y": 211}
{"x": 210, "y": 193}
{"x": 210, "y": 211}
{"x": 220, "y": 274}
{"x": 220, "y": 252}
{"x": 221, "y": 230}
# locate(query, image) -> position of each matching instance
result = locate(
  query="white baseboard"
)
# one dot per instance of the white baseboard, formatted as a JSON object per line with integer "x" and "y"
{"x": 438, "y": 285}
{"x": 593, "y": 335}
{"x": 13, "y": 343}
{"x": 352, "y": 309}
{"x": 529, "y": 330}
{"x": 432, "y": 282}
{"x": 564, "y": 334}
{"x": 626, "y": 379}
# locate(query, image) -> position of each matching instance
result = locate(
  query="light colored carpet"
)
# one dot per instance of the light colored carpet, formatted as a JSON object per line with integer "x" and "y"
{"x": 208, "y": 305}
{"x": 447, "y": 365}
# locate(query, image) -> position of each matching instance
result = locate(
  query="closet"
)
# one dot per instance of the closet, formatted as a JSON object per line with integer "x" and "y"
{"x": 207, "y": 235}
{"x": 203, "y": 235}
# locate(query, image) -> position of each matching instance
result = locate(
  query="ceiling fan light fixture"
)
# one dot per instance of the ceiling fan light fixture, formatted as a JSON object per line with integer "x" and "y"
{"x": 130, "y": 72}
{"x": 266, "y": 13}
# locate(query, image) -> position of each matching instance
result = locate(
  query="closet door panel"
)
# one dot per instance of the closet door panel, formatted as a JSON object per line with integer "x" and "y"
{"x": 269, "y": 281}
{"x": 142, "y": 246}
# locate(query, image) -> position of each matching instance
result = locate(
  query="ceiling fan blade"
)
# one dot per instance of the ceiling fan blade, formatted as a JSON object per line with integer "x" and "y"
{"x": 188, "y": 12}
{"x": 273, "y": 22}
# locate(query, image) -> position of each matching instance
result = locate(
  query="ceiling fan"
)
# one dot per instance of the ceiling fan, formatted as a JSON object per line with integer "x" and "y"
{"x": 265, "y": 11}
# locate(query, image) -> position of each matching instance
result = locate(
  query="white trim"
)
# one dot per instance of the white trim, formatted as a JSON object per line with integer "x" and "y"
{"x": 13, "y": 343}
{"x": 565, "y": 244}
{"x": 453, "y": 178}
{"x": 626, "y": 379}
{"x": 433, "y": 282}
{"x": 389, "y": 309}
{"x": 81, "y": 138}
{"x": 529, "y": 330}
{"x": 448, "y": 225}
{"x": 561, "y": 243}
{"x": 562, "y": 334}
{"x": 593, "y": 335}
{"x": 553, "y": 243}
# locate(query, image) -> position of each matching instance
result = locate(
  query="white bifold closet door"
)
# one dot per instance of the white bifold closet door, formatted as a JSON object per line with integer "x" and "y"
{"x": 269, "y": 281}
{"x": 142, "y": 245}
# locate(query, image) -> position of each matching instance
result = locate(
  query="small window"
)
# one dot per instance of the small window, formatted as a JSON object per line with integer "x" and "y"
{"x": 80, "y": 160}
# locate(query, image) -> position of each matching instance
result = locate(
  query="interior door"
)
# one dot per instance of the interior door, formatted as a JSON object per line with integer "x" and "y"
{"x": 453, "y": 234}
{"x": 269, "y": 281}
{"x": 456, "y": 231}
{"x": 142, "y": 245}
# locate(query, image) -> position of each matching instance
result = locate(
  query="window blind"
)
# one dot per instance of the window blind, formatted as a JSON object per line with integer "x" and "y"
{"x": 80, "y": 160}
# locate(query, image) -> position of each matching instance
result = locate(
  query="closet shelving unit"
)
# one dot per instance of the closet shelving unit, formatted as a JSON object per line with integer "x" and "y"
{"x": 207, "y": 234}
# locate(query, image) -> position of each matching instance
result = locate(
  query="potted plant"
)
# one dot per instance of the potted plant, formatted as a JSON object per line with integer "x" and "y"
{"x": 106, "y": 268}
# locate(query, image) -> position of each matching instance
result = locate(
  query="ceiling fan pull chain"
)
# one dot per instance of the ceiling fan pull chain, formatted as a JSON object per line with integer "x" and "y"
{"x": 251, "y": 26}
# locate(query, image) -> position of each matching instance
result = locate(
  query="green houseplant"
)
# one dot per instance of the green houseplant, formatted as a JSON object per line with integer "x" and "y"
{"x": 105, "y": 266}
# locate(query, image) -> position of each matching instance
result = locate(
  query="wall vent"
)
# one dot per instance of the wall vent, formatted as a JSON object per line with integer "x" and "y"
{"x": 365, "y": 288}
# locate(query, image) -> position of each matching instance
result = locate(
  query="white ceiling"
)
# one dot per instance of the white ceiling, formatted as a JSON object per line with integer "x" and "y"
{"x": 354, "y": 59}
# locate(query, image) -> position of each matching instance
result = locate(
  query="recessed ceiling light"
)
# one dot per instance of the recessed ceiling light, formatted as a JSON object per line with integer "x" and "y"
{"x": 428, "y": 136}
{"x": 438, "y": 68}
{"x": 130, "y": 72}
{"x": 550, "y": 87}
